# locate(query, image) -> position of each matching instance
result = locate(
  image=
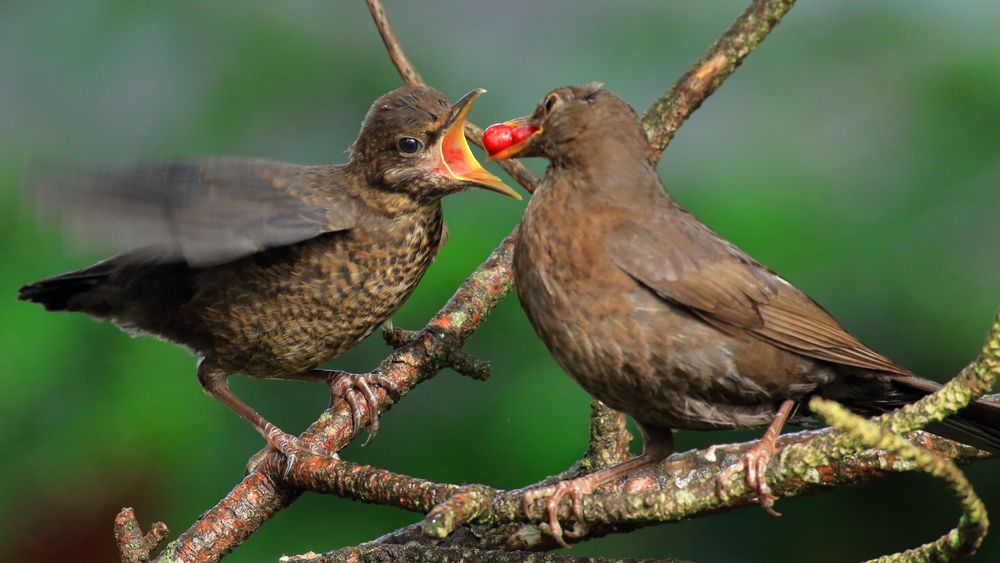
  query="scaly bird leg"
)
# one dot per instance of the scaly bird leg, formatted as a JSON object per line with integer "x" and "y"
{"x": 215, "y": 383}
{"x": 756, "y": 459}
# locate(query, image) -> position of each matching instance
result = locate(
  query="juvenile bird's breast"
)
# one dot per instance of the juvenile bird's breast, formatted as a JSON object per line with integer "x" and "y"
{"x": 289, "y": 309}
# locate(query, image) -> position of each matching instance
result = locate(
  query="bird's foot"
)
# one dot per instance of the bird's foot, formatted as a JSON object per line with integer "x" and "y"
{"x": 756, "y": 459}
{"x": 292, "y": 447}
{"x": 754, "y": 464}
{"x": 553, "y": 494}
{"x": 356, "y": 389}
{"x": 656, "y": 447}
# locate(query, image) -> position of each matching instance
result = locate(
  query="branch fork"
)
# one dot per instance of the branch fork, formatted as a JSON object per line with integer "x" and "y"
{"x": 134, "y": 546}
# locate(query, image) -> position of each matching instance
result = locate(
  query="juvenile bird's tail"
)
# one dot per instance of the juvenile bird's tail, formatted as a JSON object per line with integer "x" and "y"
{"x": 60, "y": 293}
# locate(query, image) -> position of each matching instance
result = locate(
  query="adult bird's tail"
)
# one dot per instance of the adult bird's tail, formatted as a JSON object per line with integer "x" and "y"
{"x": 977, "y": 425}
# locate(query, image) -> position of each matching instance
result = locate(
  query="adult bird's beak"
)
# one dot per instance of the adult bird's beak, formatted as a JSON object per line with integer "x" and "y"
{"x": 524, "y": 132}
{"x": 457, "y": 159}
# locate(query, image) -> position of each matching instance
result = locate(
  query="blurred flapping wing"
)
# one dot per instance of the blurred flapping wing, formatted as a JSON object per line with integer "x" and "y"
{"x": 204, "y": 212}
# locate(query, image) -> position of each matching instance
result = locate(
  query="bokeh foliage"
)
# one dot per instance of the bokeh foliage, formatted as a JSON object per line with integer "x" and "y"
{"x": 857, "y": 152}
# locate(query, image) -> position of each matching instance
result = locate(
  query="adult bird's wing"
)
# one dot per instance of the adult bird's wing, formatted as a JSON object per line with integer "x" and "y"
{"x": 204, "y": 212}
{"x": 686, "y": 263}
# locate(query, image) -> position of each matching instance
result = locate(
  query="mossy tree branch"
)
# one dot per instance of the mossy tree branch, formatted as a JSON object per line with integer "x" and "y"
{"x": 682, "y": 487}
{"x": 962, "y": 540}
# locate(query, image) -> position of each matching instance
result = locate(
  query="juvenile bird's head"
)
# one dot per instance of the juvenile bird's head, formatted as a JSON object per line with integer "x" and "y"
{"x": 413, "y": 141}
{"x": 569, "y": 124}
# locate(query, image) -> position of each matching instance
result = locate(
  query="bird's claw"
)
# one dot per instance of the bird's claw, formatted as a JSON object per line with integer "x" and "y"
{"x": 576, "y": 488}
{"x": 754, "y": 465}
{"x": 292, "y": 447}
{"x": 356, "y": 390}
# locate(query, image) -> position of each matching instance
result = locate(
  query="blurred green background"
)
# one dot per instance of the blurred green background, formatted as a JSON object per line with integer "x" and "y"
{"x": 857, "y": 152}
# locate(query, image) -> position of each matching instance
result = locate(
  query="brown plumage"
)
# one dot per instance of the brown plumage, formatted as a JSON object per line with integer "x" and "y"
{"x": 266, "y": 268}
{"x": 659, "y": 317}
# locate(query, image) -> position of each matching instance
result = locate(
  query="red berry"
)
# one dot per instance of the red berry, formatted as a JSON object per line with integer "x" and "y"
{"x": 522, "y": 132}
{"x": 497, "y": 137}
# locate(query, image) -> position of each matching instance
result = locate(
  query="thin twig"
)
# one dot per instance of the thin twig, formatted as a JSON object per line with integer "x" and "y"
{"x": 406, "y": 69}
{"x": 411, "y": 77}
{"x": 667, "y": 114}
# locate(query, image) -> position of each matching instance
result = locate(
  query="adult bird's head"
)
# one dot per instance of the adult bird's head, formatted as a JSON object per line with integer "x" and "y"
{"x": 570, "y": 124}
{"x": 413, "y": 141}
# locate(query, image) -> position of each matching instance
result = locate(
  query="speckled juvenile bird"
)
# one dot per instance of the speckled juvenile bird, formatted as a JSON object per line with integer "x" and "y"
{"x": 266, "y": 268}
{"x": 661, "y": 318}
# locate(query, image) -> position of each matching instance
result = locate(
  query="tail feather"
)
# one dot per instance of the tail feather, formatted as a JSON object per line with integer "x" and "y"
{"x": 977, "y": 425}
{"x": 58, "y": 292}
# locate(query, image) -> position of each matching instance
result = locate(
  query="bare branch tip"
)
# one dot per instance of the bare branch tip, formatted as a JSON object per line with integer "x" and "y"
{"x": 468, "y": 365}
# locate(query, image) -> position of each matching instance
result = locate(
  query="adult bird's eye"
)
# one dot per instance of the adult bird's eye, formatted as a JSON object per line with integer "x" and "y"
{"x": 550, "y": 102}
{"x": 409, "y": 145}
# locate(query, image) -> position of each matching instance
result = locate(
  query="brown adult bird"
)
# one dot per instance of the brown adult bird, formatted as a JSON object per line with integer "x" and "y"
{"x": 661, "y": 318}
{"x": 265, "y": 268}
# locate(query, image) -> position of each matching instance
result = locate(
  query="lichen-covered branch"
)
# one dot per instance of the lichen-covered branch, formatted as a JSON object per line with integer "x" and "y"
{"x": 798, "y": 466}
{"x": 966, "y": 538}
{"x": 368, "y": 484}
{"x": 665, "y": 116}
{"x": 682, "y": 487}
{"x": 608, "y": 444}
{"x": 133, "y": 545}
{"x": 415, "y": 553}
{"x": 977, "y": 378}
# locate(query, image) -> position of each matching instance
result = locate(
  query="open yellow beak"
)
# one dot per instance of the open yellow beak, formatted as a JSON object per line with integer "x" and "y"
{"x": 457, "y": 159}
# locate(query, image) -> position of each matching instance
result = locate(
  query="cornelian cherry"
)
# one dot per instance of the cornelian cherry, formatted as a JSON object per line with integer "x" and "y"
{"x": 497, "y": 137}
{"x": 522, "y": 132}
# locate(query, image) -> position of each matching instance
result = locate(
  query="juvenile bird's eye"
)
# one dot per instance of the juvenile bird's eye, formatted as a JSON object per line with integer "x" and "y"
{"x": 409, "y": 145}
